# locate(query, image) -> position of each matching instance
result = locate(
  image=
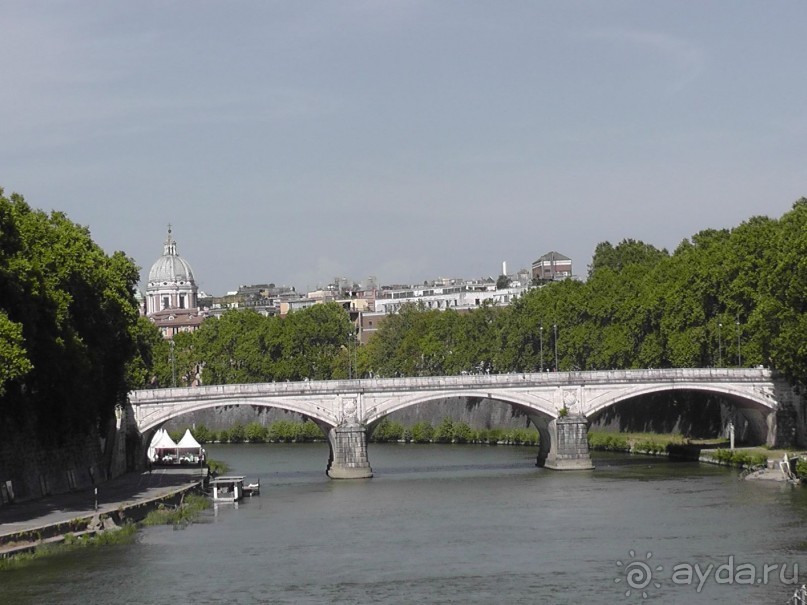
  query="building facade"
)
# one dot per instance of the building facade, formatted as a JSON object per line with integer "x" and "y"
{"x": 171, "y": 293}
{"x": 552, "y": 266}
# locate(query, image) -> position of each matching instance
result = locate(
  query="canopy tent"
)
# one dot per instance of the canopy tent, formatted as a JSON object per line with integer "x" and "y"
{"x": 188, "y": 441}
{"x": 162, "y": 447}
{"x": 188, "y": 449}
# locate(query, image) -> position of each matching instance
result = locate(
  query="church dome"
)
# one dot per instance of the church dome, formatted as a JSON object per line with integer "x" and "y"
{"x": 171, "y": 268}
{"x": 171, "y": 282}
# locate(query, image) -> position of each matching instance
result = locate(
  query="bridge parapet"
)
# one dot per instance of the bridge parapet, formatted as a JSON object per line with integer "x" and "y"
{"x": 733, "y": 375}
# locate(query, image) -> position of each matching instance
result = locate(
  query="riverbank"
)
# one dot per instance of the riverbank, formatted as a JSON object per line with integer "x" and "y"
{"x": 26, "y": 526}
{"x": 758, "y": 462}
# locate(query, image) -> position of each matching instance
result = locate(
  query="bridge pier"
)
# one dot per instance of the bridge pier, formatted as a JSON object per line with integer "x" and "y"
{"x": 783, "y": 429}
{"x": 348, "y": 452}
{"x": 567, "y": 448}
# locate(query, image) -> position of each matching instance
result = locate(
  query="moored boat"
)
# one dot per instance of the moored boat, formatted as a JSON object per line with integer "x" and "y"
{"x": 229, "y": 488}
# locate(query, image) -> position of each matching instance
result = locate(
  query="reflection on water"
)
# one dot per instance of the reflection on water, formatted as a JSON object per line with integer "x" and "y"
{"x": 442, "y": 523}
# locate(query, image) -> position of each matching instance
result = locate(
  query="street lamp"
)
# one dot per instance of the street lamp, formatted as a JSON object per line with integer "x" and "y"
{"x": 541, "y": 331}
{"x": 719, "y": 345}
{"x": 556, "y": 346}
{"x": 173, "y": 366}
{"x": 739, "y": 354}
{"x": 349, "y": 356}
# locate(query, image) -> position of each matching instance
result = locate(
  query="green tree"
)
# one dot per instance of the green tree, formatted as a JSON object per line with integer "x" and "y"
{"x": 255, "y": 432}
{"x": 312, "y": 339}
{"x": 143, "y": 369}
{"x": 422, "y": 432}
{"x": 444, "y": 433}
{"x": 69, "y": 322}
{"x": 231, "y": 348}
{"x": 14, "y": 362}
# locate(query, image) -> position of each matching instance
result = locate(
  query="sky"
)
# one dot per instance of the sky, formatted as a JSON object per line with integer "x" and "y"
{"x": 298, "y": 141}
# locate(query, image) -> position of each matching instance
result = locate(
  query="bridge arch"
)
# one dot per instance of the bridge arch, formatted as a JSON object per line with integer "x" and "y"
{"x": 529, "y": 404}
{"x": 755, "y": 399}
{"x": 153, "y": 419}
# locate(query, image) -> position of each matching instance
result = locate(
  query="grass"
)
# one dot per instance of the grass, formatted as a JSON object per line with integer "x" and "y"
{"x": 638, "y": 442}
{"x": 124, "y": 535}
{"x": 716, "y": 449}
{"x": 217, "y": 467}
{"x": 181, "y": 515}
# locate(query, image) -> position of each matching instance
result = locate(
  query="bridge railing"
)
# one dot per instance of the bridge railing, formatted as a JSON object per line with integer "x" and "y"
{"x": 464, "y": 381}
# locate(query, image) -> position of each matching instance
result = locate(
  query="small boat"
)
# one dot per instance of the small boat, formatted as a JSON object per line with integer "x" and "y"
{"x": 228, "y": 488}
{"x": 253, "y": 489}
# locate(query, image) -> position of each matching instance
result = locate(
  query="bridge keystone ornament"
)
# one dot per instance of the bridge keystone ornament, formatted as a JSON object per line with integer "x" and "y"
{"x": 349, "y": 416}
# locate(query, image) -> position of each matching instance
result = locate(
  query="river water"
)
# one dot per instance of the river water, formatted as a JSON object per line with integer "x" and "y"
{"x": 452, "y": 524}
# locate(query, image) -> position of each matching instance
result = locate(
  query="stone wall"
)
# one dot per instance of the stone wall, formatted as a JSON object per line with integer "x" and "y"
{"x": 225, "y": 417}
{"x": 477, "y": 413}
{"x": 29, "y": 470}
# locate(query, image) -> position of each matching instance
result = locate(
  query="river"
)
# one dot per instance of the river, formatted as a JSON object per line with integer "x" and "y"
{"x": 452, "y": 524}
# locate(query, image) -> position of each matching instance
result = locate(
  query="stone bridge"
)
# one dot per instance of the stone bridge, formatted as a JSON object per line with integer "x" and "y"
{"x": 560, "y": 404}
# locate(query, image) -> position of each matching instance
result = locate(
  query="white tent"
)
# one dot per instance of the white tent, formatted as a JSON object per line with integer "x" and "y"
{"x": 162, "y": 445}
{"x": 189, "y": 450}
{"x": 188, "y": 441}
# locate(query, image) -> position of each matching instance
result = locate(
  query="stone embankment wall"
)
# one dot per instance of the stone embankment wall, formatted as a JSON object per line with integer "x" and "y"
{"x": 30, "y": 470}
{"x": 477, "y": 413}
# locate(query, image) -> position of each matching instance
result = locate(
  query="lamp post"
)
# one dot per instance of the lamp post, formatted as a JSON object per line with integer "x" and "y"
{"x": 739, "y": 354}
{"x": 719, "y": 345}
{"x": 541, "y": 331}
{"x": 349, "y": 356}
{"x": 173, "y": 366}
{"x": 555, "y": 326}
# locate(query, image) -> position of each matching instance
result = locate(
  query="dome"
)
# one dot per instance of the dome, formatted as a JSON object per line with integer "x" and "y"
{"x": 171, "y": 282}
{"x": 170, "y": 268}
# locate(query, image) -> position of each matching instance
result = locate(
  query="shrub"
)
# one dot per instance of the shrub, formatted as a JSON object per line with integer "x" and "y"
{"x": 422, "y": 432}
{"x": 462, "y": 433}
{"x": 282, "y": 431}
{"x": 255, "y": 432}
{"x": 310, "y": 431}
{"x": 387, "y": 430}
{"x": 649, "y": 446}
{"x": 444, "y": 433}
{"x": 494, "y": 435}
{"x": 740, "y": 458}
{"x": 202, "y": 434}
{"x": 238, "y": 433}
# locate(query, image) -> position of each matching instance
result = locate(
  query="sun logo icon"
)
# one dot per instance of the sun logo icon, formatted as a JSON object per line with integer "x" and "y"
{"x": 637, "y": 574}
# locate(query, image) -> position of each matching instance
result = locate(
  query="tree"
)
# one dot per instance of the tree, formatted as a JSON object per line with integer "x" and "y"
{"x": 14, "y": 362}
{"x": 68, "y": 322}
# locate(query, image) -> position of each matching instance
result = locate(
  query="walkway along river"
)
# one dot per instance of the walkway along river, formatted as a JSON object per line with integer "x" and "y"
{"x": 452, "y": 523}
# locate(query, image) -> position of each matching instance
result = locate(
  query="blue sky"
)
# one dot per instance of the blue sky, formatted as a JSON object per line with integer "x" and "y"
{"x": 293, "y": 142}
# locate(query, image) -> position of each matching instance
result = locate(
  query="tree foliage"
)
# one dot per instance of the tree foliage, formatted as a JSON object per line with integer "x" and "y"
{"x": 68, "y": 322}
{"x": 72, "y": 344}
{"x": 730, "y": 297}
{"x": 243, "y": 346}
